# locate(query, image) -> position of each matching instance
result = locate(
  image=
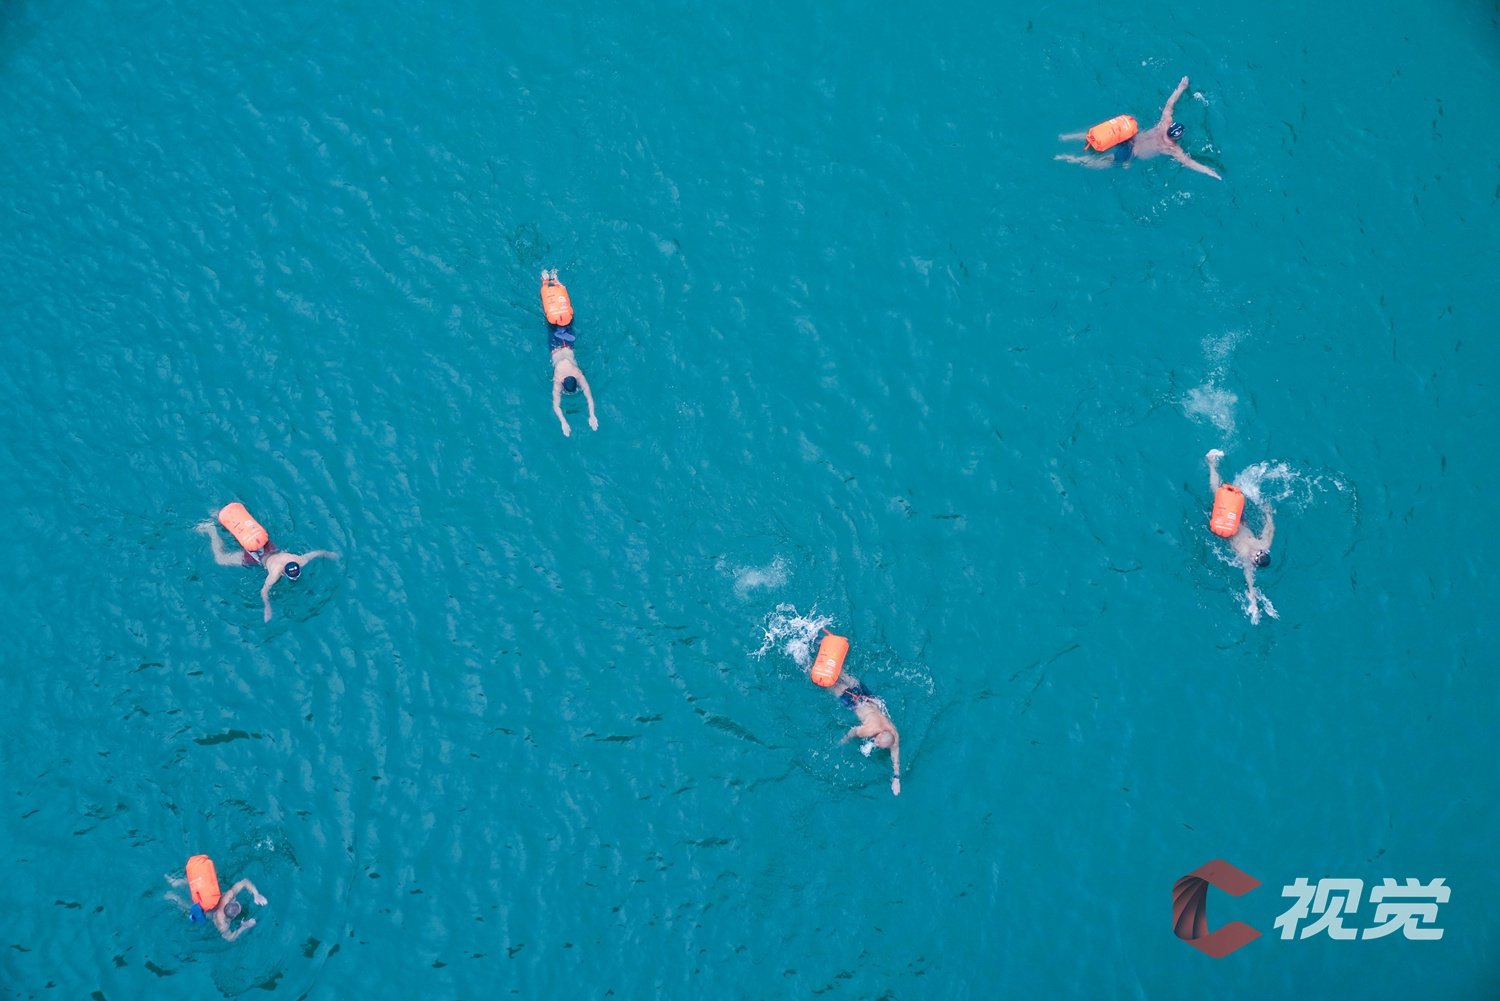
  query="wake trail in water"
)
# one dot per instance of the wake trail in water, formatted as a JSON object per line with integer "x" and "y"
{"x": 1282, "y": 486}
{"x": 747, "y": 579}
{"x": 1212, "y": 402}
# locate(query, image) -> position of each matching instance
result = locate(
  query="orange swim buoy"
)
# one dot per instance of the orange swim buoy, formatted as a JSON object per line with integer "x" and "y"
{"x": 1111, "y": 133}
{"x": 1229, "y": 506}
{"x": 830, "y": 660}
{"x": 556, "y": 304}
{"x": 203, "y": 882}
{"x": 245, "y": 529}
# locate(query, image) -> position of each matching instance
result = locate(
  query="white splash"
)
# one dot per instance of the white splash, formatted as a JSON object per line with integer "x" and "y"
{"x": 747, "y": 579}
{"x": 1279, "y": 485}
{"x": 795, "y": 635}
{"x": 1211, "y": 402}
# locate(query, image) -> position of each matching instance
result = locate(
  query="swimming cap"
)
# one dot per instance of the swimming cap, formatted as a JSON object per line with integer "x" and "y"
{"x": 570, "y": 385}
{"x": 232, "y": 909}
{"x": 293, "y": 569}
{"x": 1262, "y": 559}
{"x": 1175, "y": 132}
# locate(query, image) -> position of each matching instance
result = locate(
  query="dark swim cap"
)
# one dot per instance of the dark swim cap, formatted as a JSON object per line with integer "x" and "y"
{"x": 1262, "y": 559}
{"x": 232, "y": 909}
{"x": 570, "y": 385}
{"x": 1175, "y": 132}
{"x": 293, "y": 569}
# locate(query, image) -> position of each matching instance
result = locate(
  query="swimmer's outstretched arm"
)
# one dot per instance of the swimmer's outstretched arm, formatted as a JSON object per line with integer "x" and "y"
{"x": 1250, "y": 593}
{"x": 557, "y": 407}
{"x": 230, "y": 936}
{"x": 588, "y": 395}
{"x": 1166, "y": 112}
{"x": 1214, "y": 482}
{"x": 1181, "y": 157}
{"x": 1269, "y": 532}
{"x": 863, "y": 730}
{"x": 243, "y": 885}
{"x": 265, "y": 591}
{"x": 221, "y": 557}
{"x": 895, "y": 762}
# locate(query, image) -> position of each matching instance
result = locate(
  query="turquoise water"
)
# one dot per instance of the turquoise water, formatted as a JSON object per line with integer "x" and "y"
{"x": 865, "y": 355}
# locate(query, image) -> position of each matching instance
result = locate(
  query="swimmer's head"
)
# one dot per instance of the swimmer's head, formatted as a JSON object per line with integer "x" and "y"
{"x": 232, "y": 909}
{"x": 884, "y": 739}
{"x": 1175, "y": 132}
{"x": 1263, "y": 559}
{"x": 570, "y": 385}
{"x": 293, "y": 569}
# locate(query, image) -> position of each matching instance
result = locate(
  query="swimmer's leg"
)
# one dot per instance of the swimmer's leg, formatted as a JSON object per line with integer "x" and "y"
{"x": 1087, "y": 161}
{"x": 1071, "y": 136}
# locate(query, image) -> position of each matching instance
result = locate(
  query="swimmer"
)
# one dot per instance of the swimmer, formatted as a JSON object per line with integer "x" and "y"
{"x": 229, "y": 909}
{"x": 873, "y": 721}
{"x": 567, "y": 377}
{"x": 1250, "y": 550}
{"x": 276, "y": 563}
{"x": 223, "y": 908}
{"x": 1160, "y": 138}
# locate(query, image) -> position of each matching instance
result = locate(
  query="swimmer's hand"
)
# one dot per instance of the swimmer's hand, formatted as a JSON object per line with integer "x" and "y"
{"x": 260, "y": 901}
{"x": 567, "y": 430}
{"x": 206, "y": 527}
{"x": 593, "y": 423}
{"x": 1214, "y": 455}
{"x": 268, "y": 613}
{"x": 247, "y": 924}
{"x": 896, "y": 786}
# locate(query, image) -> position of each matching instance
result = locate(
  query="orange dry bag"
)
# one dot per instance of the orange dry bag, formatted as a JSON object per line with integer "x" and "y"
{"x": 203, "y": 882}
{"x": 830, "y": 660}
{"x": 1229, "y": 505}
{"x": 556, "y": 304}
{"x": 1111, "y": 133}
{"x": 245, "y": 529}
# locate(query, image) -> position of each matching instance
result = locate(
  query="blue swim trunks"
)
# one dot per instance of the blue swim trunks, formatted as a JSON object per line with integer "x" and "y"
{"x": 560, "y": 337}
{"x": 1125, "y": 151}
{"x": 853, "y": 696}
